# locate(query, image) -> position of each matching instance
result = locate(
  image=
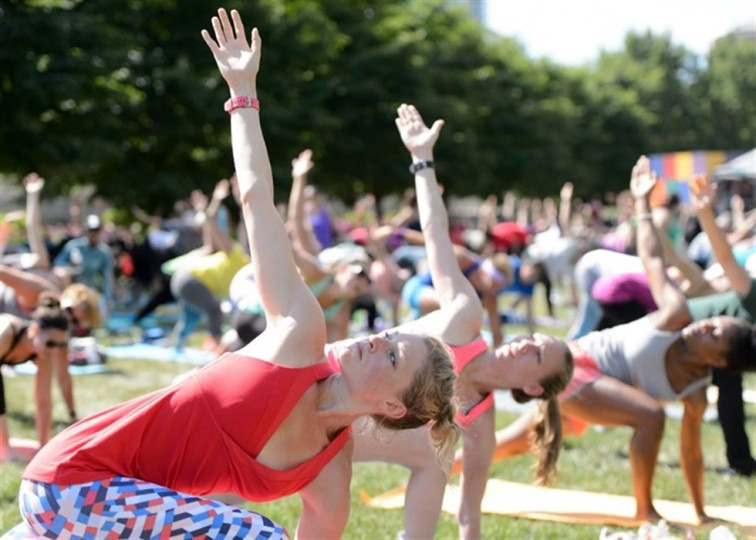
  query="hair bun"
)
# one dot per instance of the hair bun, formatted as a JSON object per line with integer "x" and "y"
{"x": 49, "y": 300}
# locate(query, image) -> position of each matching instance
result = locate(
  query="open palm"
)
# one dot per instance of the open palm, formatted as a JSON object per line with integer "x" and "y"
{"x": 236, "y": 59}
{"x": 643, "y": 179}
{"x": 413, "y": 131}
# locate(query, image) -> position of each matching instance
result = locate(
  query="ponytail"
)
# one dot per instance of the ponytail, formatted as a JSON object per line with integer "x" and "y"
{"x": 546, "y": 438}
{"x": 546, "y": 432}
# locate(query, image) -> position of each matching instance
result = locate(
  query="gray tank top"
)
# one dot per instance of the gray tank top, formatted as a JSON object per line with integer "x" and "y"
{"x": 634, "y": 354}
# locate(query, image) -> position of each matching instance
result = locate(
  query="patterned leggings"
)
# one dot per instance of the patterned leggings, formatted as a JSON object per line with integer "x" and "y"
{"x": 127, "y": 508}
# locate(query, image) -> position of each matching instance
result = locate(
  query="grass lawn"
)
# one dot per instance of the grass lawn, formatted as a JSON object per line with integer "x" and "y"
{"x": 596, "y": 462}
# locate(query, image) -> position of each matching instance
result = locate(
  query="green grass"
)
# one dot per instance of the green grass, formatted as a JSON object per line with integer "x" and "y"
{"x": 595, "y": 462}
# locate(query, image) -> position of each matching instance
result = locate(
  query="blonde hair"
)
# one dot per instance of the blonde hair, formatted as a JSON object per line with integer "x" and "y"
{"x": 429, "y": 398}
{"x": 79, "y": 294}
{"x": 546, "y": 432}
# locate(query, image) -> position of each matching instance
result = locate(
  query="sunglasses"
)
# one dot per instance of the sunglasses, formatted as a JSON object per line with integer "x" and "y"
{"x": 50, "y": 344}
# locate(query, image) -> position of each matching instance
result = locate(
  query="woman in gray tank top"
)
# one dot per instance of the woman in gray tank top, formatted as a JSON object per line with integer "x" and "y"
{"x": 623, "y": 374}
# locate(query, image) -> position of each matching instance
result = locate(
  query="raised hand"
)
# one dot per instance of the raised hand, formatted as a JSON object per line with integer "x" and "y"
{"x": 199, "y": 200}
{"x": 643, "y": 179}
{"x": 237, "y": 61}
{"x": 33, "y": 183}
{"x": 704, "y": 192}
{"x": 566, "y": 191}
{"x": 221, "y": 190}
{"x": 302, "y": 164}
{"x": 416, "y": 136}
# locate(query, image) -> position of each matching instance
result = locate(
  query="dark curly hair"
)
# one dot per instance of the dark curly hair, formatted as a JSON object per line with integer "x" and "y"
{"x": 741, "y": 355}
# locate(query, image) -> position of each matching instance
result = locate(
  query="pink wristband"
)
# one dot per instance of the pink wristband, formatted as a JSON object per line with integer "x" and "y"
{"x": 241, "y": 102}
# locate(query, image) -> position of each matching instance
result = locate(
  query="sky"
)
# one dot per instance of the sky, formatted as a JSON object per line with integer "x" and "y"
{"x": 572, "y": 32}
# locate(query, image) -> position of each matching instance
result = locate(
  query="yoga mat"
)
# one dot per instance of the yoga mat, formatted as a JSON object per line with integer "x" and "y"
{"x": 27, "y": 447}
{"x": 571, "y": 506}
{"x": 30, "y": 368}
{"x": 148, "y": 351}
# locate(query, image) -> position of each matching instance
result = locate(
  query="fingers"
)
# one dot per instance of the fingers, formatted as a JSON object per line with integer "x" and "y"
{"x": 238, "y": 26}
{"x": 210, "y": 42}
{"x": 436, "y": 128}
{"x": 220, "y": 37}
{"x": 225, "y": 22}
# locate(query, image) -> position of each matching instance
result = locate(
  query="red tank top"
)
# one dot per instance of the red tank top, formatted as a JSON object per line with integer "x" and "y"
{"x": 462, "y": 356}
{"x": 200, "y": 436}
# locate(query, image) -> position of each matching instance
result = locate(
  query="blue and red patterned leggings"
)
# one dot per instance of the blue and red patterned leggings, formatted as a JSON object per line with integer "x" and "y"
{"x": 127, "y": 508}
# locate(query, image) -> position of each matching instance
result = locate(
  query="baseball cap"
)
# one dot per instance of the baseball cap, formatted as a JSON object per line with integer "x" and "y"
{"x": 92, "y": 223}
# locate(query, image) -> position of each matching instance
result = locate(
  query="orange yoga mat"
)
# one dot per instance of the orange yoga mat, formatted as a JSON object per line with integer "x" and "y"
{"x": 26, "y": 447}
{"x": 571, "y": 506}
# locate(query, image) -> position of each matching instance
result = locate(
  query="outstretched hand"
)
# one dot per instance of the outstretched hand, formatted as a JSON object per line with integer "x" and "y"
{"x": 416, "y": 136}
{"x": 704, "y": 192}
{"x": 643, "y": 179}
{"x": 302, "y": 164}
{"x": 566, "y": 191}
{"x": 221, "y": 190}
{"x": 33, "y": 183}
{"x": 237, "y": 61}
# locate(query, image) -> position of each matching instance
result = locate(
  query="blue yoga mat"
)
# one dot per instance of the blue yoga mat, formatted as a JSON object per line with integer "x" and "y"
{"x": 147, "y": 351}
{"x": 30, "y": 368}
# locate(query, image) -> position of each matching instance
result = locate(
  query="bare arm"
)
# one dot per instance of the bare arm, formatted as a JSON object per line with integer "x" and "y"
{"x": 219, "y": 240}
{"x": 455, "y": 293}
{"x": 302, "y": 233}
{"x": 478, "y": 443}
{"x": 43, "y": 398}
{"x": 673, "y": 312}
{"x": 283, "y": 294}
{"x": 326, "y": 501}
{"x": 28, "y": 286}
{"x": 691, "y": 457}
{"x": 565, "y": 209}
{"x": 703, "y": 196}
{"x": 34, "y": 184}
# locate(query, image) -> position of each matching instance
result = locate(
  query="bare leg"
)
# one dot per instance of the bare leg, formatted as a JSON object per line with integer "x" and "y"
{"x": 610, "y": 402}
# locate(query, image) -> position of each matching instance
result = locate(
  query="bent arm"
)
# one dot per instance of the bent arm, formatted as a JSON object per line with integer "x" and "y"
{"x": 28, "y": 286}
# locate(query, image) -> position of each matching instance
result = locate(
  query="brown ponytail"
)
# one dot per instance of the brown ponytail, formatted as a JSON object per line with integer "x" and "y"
{"x": 546, "y": 432}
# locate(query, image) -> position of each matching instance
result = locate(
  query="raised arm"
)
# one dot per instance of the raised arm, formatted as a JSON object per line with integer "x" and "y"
{"x": 455, "y": 293}
{"x": 673, "y": 312}
{"x": 704, "y": 194}
{"x": 565, "y": 209}
{"x": 219, "y": 239}
{"x": 282, "y": 292}
{"x": 299, "y": 227}
{"x": 33, "y": 184}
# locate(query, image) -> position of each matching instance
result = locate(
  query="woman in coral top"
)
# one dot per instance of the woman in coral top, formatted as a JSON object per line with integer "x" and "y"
{"x": 268, "y": 421}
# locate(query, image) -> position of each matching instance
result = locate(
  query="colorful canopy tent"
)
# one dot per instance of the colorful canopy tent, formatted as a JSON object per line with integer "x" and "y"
{"x": 742, "y": 167}
{"x": 676, "y": 169}
{"x": 738, "y": 176}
